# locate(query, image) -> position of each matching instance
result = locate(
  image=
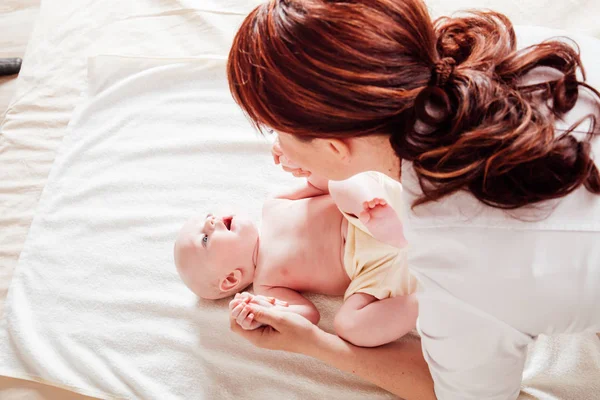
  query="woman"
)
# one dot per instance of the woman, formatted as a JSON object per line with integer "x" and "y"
{"x": 502, "y": 207}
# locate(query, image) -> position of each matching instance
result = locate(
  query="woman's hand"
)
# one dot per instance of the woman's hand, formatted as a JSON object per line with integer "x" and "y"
{"x": 280, "y": 330}
{"x": 286, "y": 164}
{"x": 398, "y": 367}
{"x": 242, "y": 314}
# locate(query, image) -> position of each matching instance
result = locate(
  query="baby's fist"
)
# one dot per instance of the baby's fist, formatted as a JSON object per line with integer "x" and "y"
{"x": 242, "y": 314}
{"x": 239, "y": 310}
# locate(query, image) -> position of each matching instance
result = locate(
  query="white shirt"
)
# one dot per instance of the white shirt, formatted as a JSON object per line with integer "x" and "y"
{"x": 492, "y": 280}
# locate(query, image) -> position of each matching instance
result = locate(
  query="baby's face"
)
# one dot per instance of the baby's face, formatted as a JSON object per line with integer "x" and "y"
{"x": 209, "y": 248}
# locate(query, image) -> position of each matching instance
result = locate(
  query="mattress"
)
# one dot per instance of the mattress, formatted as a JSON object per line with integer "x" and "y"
{"x": 54, "y": 75}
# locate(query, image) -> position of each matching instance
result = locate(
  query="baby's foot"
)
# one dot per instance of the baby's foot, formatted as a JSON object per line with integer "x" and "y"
{"x": 373, "y": 209}
{"x": 382, "y": 222}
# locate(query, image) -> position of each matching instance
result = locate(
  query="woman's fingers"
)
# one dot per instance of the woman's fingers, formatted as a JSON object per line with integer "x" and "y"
{"x": 266, "y": 316}
{"x": 261, "y": 300}
{"x": 257, "y": 334}
{"x": 249, "y": 324}
{"x": 278, "y": 302}
{"x": 268, "y": 301}
{"x": 275, "y": 328}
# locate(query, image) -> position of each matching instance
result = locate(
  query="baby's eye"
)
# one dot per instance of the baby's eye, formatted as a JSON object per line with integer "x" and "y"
{"x": 205, "y": 240}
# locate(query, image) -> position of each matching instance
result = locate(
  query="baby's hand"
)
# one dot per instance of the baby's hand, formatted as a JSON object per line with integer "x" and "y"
{"x": 374, "y": 209}
{"x": 260, "y": 300}
{"x": 287, "y": 164}
{"x": 242, "y": 314}
{"x": 276, "y": 152}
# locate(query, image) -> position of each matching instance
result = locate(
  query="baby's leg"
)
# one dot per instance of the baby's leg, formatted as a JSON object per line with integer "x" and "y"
{"x": 365, "y": 321}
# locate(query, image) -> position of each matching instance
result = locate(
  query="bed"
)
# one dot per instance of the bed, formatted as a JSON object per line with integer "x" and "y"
{"x": 53, "y": 82}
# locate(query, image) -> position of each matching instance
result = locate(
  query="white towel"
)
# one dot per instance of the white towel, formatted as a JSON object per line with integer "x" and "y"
{"x": 96, "y": 304}
{"x": 563, "y": 367}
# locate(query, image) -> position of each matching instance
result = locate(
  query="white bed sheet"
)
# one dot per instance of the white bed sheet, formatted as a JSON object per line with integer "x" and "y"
{"x": 98, "y": 305}
{"x": 50, "y": 83}
{"x": 53, "y": 76}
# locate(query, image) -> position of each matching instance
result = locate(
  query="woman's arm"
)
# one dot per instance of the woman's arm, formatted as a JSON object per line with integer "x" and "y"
{"x": 397, "y": 367}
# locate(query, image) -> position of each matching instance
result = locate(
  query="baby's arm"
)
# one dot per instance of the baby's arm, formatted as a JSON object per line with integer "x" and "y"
{"x": 295, "y": 301}
{"x": 284, "y": 298}
{"x": 364, "y": 197}
{"x": 304, "y": 191}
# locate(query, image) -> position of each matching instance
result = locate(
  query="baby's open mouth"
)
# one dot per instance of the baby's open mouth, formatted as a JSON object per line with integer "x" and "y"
{"x": 227, "y": 222}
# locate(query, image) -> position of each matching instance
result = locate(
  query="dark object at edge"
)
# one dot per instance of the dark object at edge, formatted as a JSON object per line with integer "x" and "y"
{"x": 10, "y": 66}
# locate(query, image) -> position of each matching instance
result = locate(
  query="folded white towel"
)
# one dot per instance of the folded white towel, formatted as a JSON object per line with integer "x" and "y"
{"x": 96, "y": 303}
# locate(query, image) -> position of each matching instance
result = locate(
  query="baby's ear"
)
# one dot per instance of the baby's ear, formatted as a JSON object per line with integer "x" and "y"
{"x": 231, "y": 281}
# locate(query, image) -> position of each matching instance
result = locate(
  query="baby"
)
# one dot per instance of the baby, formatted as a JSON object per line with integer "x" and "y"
{"x": 333, "y": 238}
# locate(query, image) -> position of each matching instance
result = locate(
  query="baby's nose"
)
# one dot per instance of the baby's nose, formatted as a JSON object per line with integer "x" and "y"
{"x": 209, "y": 224}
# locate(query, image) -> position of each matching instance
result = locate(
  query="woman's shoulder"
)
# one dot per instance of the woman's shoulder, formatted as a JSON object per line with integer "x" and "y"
{"x": 579, "y": 211}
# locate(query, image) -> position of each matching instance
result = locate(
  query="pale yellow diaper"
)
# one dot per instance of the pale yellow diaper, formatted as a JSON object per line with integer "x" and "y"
{"x": 376, "y": 268}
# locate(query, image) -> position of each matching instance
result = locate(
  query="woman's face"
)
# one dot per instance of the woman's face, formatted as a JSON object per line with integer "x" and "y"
{"x": 319, "y": 156}
{"x": 338, "y": 159}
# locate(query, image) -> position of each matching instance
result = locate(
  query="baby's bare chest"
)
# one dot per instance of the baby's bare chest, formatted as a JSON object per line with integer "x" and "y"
{"x": 302, "y": 246}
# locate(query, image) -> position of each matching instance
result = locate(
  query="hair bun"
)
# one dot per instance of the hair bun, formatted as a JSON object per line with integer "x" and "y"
{"x": 454, "y": 42}
{"x": 442, "y": 71}
{"x": 432, "y": 106}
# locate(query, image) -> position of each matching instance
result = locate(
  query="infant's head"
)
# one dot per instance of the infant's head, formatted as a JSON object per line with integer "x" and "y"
{"x": 216, "y": 256}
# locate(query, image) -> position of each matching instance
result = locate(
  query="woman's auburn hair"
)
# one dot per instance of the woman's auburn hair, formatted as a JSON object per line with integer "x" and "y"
{"x": 339, "y": 69}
